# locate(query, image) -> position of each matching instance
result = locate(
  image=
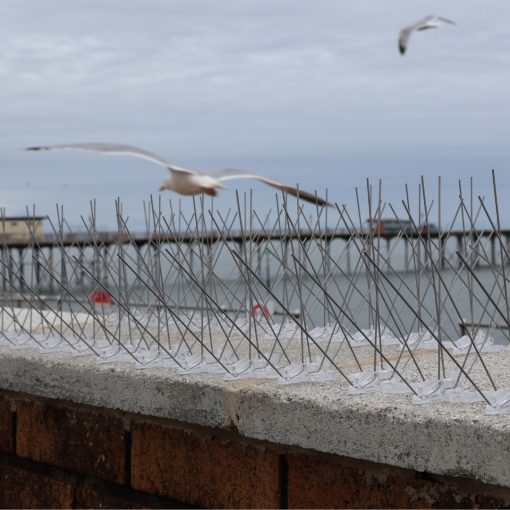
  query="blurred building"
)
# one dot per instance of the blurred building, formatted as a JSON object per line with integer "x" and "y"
{"x": 21, "y": 228}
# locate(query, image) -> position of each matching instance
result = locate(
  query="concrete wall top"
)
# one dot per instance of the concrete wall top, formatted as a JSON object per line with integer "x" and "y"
{"x": 454, "y": 439}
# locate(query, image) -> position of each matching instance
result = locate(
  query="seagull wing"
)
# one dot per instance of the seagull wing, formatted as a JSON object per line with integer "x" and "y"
{"x": 229, "y": 174}
{"x": 424, "y": 24}
{"x": 432, "y": 22}
{"x": 115, "y": 150}
{"x": 404, "y": 38}
{"x": 445, "y": 20}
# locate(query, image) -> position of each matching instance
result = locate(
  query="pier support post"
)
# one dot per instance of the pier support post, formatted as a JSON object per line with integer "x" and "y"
{"x": 259, "y": 259}
{"x": 11, "y": 270}
{"x": 268, "y": 270}
{"x": 81, "y": 258}
{"x": 63, "y": 270}
{"x": 95, "y": 267}
{"x": 286, "y": 254}
{"x": 208, "y": 248}
{"x": 21, "y": 267}
{"x": 493, "y": 249}
{"x": 51, "y": 267}
{"x": 105, "y": 263}
{"x": 304, "y": 258}
{"x": 37, "y": 267}
{"x": 190, "y": 255}
{"x": 460, "y": 247}
{"x": 442, "y": 251}
{"x": 348, "y": 249}
{"x": 327, "y": 266}
{"x": 4, "y": 270}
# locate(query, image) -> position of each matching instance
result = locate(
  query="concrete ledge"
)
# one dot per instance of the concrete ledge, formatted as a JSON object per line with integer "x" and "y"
{"x": 381, "y": 428}
{"x": 453, "y": 439}
{"x": 155, "y": 392}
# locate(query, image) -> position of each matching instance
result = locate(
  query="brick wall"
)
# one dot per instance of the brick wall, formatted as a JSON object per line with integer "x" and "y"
{"x": 56, "y": 454}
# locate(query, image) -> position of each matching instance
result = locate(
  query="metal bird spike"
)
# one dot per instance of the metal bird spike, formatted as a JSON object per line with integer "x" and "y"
{"x": 192, "y": 290}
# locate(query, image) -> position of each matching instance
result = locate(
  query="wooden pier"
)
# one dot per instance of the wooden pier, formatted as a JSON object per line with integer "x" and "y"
{"x": 13, "y": 252}
{"x": 257, "y": 236}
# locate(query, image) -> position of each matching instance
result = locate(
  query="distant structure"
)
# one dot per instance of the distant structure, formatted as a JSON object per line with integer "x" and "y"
{"x": 394, "y": 226}
{"x": 21, "y": 228}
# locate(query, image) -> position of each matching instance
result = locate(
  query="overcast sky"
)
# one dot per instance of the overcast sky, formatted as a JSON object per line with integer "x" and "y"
{"x": 308, "y": 92}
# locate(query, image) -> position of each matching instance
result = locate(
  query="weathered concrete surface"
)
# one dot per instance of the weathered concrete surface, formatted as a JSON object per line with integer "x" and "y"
{"x": 153, "y": 392}
{"x": 438, "y": 438}
{"x": 455, "y": 439}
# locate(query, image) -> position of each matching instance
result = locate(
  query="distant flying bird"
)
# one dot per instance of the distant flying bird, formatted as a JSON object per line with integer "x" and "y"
{"x": 182, "y": 180}
{"x": 424, "y": 24}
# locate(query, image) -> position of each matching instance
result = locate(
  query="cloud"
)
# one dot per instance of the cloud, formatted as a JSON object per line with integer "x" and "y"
{"x": 278, "y": 87}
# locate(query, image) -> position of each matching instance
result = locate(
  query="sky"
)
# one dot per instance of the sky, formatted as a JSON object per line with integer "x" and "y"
{"x": 314, "y": 93}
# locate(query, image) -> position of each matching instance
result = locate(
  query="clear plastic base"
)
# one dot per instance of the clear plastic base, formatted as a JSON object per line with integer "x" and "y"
{"x": 199, "y": 364}
{"x": 250, "y": 369}
{"x": 114, "y": 353}
{"x": 19, "y": 341}
{"x": 305, "y": 372}
{"x": 154, "y": 359}
{"x": 483, "y": 341}
{"x": 72, "y": 346}
{"x": 382, "y": 381}
{"x": 359, "y": 339}
{"x": 95, "y": 345}
{"x": 287, "y": 331}
{"x": 422, "y": 339}
{"x": 500, "y": 401}
{"x": 445, "y": 389}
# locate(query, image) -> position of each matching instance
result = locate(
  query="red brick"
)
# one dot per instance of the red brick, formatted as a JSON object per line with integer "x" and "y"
{"x": 317, "y": 482}
{"x": 203, "y": 470}
{"x": 6, "y": 427}
{"x": 21, "y": 488}
{"x": 79, "y": 439}
{"x": 88, "y": 496}
{"x": 93, "y": 494}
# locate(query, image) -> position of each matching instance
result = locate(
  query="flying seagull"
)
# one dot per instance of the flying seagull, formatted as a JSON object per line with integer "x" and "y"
{"x": 182, "y": 180}
{"x": 424, "y": 24}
